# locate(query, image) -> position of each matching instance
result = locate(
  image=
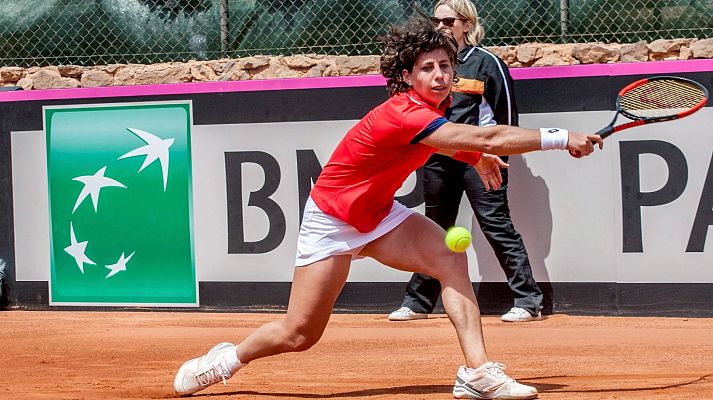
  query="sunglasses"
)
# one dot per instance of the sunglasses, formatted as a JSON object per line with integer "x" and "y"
{"x": 447, "y": 21}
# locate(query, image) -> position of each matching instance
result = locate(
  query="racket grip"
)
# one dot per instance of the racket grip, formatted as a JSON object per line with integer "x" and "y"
{"x": 605, "y": 132}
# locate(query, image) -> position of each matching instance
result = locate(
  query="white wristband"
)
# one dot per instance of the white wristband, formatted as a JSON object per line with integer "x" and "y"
{"x": 553, "y": 138}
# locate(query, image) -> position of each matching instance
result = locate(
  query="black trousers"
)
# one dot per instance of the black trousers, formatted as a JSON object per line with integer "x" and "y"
{"x": 445, "y": 180}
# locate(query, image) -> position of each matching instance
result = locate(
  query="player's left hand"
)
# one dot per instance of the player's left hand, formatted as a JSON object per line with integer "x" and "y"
{"x": 488, "y": 169}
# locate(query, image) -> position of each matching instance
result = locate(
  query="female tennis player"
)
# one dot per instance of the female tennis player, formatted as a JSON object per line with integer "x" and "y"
{"x": 352, "y": 213}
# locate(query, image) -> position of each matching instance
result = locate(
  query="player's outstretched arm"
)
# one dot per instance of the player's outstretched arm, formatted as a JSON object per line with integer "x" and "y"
{"x": 507, "y": 140}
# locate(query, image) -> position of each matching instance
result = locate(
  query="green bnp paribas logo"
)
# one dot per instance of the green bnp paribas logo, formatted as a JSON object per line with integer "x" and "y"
{"x": 120, "y": 204}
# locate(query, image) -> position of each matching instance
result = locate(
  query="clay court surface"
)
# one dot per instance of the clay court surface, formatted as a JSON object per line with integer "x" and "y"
{"x": 134, "y": 355}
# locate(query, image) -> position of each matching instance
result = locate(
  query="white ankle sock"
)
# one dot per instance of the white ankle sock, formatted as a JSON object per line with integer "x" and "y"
{"x": 230, "y": 356}
{"x": 478, "y": 369}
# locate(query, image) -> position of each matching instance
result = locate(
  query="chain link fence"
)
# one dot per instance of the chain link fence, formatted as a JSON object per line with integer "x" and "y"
{"x": 91, "y": 32}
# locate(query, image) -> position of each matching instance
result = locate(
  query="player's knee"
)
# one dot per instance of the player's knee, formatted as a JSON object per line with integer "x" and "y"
{"x": 301, "y": 339}
{"x": 302, "y": 342}
{"x": 449, "y": 265}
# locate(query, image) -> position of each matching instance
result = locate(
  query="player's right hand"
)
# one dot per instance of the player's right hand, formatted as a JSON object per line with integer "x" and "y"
{"x": 580, "y": 144}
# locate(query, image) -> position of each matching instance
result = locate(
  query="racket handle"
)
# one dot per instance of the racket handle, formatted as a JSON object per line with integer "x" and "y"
{"x": 605, "y": 132}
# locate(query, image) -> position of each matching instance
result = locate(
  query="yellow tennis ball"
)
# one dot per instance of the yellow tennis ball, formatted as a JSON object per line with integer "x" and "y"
{"x": 458, "y": 239}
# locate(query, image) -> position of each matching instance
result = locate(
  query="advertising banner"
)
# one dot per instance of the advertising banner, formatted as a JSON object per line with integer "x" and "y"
{"x": 148, "y": 195}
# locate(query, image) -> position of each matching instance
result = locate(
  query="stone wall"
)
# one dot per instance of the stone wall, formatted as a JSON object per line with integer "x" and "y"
{"x": 264, "y": 67}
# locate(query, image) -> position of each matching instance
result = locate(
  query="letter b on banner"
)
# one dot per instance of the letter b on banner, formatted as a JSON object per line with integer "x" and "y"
{"x": 260, "y": 199}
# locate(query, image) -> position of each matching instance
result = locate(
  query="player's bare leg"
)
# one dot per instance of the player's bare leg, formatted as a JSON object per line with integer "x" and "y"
{"x": 315, "y": 288}
{"x": 417, "y": 246}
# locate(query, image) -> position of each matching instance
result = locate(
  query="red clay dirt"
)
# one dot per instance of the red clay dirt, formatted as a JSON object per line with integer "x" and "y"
{"x": 134, "y": 355}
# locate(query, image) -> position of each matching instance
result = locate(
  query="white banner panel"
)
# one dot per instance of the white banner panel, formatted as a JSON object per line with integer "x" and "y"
{"x": 569, "y": 212}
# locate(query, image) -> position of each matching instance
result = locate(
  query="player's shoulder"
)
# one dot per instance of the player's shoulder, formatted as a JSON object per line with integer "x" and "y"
{"x": 413, "y": 110}
{"x": 393, "y": 111}
{"x": 408, "y": 102}
{"x": 396, "y": 106}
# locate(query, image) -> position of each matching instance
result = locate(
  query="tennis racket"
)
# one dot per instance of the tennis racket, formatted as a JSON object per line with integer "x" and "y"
{"x": 656, "y": 99}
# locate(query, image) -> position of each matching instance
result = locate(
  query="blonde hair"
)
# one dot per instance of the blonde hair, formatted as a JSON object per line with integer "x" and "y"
{"x": 467, "y": 10}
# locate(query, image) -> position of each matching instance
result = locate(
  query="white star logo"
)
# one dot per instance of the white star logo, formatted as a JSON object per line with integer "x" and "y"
{"x": 156, "y": 148}
{"x": 119, "y": 266}
{"x": 77, "y": 250}
{"x": 92, "y": 185}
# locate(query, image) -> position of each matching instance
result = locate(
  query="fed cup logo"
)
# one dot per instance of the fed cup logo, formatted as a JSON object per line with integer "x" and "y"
{"x": 120, "y": 205}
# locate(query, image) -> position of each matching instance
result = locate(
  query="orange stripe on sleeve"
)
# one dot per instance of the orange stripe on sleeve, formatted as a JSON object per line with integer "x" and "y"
{"x": 470, "y": 86}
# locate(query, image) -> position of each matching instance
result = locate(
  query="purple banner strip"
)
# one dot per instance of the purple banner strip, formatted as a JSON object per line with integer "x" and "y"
{"x": 195, "y": 87}
{"x": 569, "y": 71}
{"x": 618, "y": 69}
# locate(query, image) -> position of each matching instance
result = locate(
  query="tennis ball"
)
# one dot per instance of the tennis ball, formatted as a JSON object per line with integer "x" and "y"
{"x": 458, "y": 239}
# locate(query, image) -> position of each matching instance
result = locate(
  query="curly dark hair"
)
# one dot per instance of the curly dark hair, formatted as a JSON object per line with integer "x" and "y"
{"x": 404, "y": 43}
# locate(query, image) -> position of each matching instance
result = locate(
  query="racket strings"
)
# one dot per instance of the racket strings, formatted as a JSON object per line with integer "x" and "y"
{"x": 661, "y": 98}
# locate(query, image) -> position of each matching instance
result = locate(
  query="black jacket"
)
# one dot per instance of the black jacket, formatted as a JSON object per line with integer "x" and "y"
{"x": 484, "y": 94}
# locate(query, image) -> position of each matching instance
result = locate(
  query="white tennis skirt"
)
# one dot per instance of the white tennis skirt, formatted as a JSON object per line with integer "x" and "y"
{"x": 322, "y": 235}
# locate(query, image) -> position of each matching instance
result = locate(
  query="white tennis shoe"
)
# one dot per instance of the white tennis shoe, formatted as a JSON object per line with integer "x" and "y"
{"x": 406, "y": 314}
{"x": 490, "y": 382}
{"x": 518, "y": 314}
{"x": 208, "y": 369}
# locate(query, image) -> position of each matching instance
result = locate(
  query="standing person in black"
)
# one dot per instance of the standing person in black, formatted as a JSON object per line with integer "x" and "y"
{"x": 483, "y": 96}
